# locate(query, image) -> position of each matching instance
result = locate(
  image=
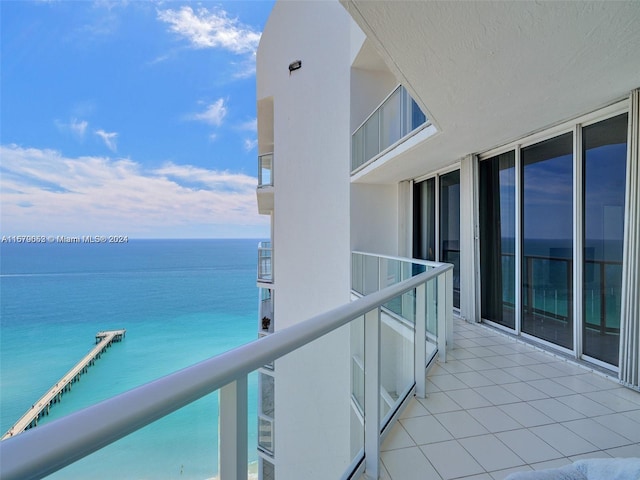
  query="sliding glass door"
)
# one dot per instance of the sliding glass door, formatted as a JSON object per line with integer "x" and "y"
{"x": 547, "y": 240}
{"x": 567, "y": 199}
{"x": 497, "y": 208}
{"x": 604, "y": 147}
{"x": 439, "y": 194}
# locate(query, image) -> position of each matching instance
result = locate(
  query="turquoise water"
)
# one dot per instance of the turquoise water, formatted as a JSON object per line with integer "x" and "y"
{"x": 181, "y": 302}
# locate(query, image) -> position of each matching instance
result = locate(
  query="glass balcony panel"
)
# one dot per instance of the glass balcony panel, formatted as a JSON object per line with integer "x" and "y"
{"x": 265, "y": 170}
{"x": 372, "y": 136}
{"x": 413, "y": 116}
{"x": 264, "y": 262}
{"x": 267, "y": 470}
{"x": 396, "y": 359}
{"x": 357, "y": 363}
{"x": 266, "y": 434}
{"x": 357, "y": 149}
{"x": 431, "y": 306}
{"x": 267, "y": 392}
{"x": 391, "y": 120}
{"x": 395, "y": 118}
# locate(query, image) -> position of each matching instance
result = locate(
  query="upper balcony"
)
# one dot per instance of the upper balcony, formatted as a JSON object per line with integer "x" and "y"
{"x": 396, "y": 119}
{"x": 264, "y": 191}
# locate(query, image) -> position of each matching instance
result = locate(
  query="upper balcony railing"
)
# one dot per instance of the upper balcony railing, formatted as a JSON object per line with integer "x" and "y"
{"x": 48, "y": 448}
{"x": 396, "y": 117}
{"x": 265, "y": 170}
{"x": 265, "y": 273}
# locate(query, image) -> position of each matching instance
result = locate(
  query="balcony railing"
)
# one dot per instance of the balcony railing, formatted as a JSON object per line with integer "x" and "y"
{"x": 265, "y": 273}
{"x": 397, "y": 117}
{"x": 50, "y": 447}
{"x": 265, "y": 170}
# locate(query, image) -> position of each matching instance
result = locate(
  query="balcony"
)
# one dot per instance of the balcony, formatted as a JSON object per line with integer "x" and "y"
{"x": 50, "y": 447}
{"x": 265, "y": 273}
{"x": 264, "y": 192}
{"x": 499, "y": 405}
{"x": 397, "y": 118}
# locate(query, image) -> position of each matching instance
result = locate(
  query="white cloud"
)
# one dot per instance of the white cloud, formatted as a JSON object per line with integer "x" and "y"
{"x": 109, "y": 139}
{"x": 211, "y": 29}
{"x": 213, "y": 114}
{"x": 249, "y": 125}
{"x": 46, "y": 193}
{"x": 75, "y": 126}
{"x": 250, "y": 144}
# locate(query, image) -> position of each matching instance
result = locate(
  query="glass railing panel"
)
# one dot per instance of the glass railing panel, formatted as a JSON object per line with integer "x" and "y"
{"x": 264, "y": 262}
{"x": 267, "y": 470}
{"x": 357, "y": 364}
{"x": 266, "y": 412}
{"x": 372, "y": 136}
{"x": 397, "y": 116}
{"x": 391, "y": 120}
{"x": 396, "y": 358}
{"x": 431, "y": 307}
{"x": 357, "y": 149}
{"x": 357, "y": 387}
{"x": 371, "y": 275}
{"x": 265, "y": 170}
{"x": 413, "y": 116}
{"x": 265, "y": 434}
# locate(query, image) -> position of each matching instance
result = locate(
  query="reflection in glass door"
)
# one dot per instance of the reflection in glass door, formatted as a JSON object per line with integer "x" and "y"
{"x": 604, "y": 166}
{"x": 497, "y": 210}
{"x": 547, "y": 240}
{"x": 446, "y": 247}
{"x": 450, "y": 227}
{"x": 424, "y": 220}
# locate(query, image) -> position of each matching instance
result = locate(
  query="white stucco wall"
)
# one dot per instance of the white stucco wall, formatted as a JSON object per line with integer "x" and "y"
{"x": 311, "y": 231}
{"x": 374, "y": 218}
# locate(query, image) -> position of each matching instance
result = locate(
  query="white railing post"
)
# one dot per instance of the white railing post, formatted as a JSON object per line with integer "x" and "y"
{"x": 372, "y": 394}
{"x": 232, "y": 441}
{"x": 445, "y": 313}
{"x": 420, "y": 342}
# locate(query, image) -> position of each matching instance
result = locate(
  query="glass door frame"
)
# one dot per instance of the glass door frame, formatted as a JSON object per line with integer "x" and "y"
{"x": 436, "y": 178}
{"x": 575, "y": 127}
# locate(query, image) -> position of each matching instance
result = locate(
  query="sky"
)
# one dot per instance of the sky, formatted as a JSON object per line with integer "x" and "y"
{"x": 129, "y": 118}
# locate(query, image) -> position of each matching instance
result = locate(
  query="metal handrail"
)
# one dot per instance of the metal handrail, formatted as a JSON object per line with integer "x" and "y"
{"x": 50, "y": 447}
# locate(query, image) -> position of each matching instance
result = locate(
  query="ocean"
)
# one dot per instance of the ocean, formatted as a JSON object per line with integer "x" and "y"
{"x": 181, "y": 301}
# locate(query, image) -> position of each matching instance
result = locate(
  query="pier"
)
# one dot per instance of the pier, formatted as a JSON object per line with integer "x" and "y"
{"x": 41, "y": 408}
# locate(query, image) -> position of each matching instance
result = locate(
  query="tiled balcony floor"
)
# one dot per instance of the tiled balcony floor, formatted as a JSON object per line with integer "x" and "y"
{"x": 499, "y": 405}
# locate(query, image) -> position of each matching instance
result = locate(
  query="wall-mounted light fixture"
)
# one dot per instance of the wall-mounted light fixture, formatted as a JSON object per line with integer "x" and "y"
{"x": 295, "y": 66}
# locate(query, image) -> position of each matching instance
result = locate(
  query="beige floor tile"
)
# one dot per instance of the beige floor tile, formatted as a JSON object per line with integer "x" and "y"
{"x": 425, "y": 430}
{"x": 451, "y": 460}
{"x": 409, "y": 464}
{"x": 491, "y": 453}
{"x": 563, "y": 440}
{"x": 468, "y": 398}
{"x": 460, "y": 424}
{"x": 439, "y": 402}
{"x": 494, "y": 419}
{"x": 528, "y": 446}
{"x": 397, "y": 438}
{"x": 596, "y": 433}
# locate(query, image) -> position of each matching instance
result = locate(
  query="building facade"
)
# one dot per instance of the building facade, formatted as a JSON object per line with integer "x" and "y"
{"x": 502, "y": 138}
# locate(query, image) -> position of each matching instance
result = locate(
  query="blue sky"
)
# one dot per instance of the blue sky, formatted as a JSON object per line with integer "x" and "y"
{"x": 130, "y": 118}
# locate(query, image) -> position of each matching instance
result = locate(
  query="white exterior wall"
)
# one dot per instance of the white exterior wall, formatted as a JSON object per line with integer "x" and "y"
{"x": 374, "y": 218}
{"x": 311, "y": 245}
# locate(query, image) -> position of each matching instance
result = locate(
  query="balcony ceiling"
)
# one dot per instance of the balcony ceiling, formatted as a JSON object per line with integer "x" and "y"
{"x": 487, "y": 73}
